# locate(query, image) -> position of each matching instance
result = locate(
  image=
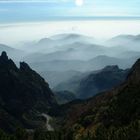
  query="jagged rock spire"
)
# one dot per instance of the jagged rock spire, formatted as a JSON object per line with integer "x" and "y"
{"x": 4, "y": 56}
{"x": 24, "y": 66}
{"x": 7, "y": 63}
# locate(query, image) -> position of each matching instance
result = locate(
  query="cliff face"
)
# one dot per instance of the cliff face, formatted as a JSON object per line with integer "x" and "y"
{"x": 23, "y": 92}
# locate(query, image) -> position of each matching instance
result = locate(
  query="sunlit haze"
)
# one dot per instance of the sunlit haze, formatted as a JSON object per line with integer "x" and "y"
{"x": 13, "y": 34}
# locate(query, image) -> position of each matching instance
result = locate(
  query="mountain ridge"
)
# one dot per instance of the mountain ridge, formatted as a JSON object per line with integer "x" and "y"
{"x": 116, "y": 111}
{"x": 23, "y": 93}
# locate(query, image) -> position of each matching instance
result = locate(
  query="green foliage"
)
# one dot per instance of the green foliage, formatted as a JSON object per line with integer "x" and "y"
{"x": 130, "y": 132}
{"x": 48, "y": 135}
{"x": 86, "y": 121}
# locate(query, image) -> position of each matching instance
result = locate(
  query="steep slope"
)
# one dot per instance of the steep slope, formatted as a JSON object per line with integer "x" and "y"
{"x": 90, "y": 83}
{"x": 112, "y": 115}
{"x": 103, "y": 80}
{"x": 23, "y": 94}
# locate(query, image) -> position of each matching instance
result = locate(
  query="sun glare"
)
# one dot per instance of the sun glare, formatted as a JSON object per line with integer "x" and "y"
{"x": 79, "y": 2}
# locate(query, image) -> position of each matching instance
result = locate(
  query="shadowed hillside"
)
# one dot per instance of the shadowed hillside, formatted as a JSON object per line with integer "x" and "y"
{"x": 111, "y": 115}
{"x": 24, "y": 94}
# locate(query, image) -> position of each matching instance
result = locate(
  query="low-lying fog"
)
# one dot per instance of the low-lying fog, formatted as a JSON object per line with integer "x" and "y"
{"x": 60, "y": 50}
{"x": 13, "y": 34}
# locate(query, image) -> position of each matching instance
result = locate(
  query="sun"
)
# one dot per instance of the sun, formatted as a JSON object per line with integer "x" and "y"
{"x": 79, "y": 2}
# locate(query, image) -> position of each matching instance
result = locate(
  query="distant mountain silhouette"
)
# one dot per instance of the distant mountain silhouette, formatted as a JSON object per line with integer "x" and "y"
{"x": 129, "y": 42}
{"x": 72, "y": 37}
{"x": 89, "y": 84}
{"x": 107, "y": 78}
{"x": 58, "y": 42}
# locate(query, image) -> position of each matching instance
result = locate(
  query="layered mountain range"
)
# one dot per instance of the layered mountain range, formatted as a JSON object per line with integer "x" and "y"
{"x": 70, "y": 54}
{"x": 111, "y": 115}
{"x": 87, "y": 84}
{"x": 109, "y": 104}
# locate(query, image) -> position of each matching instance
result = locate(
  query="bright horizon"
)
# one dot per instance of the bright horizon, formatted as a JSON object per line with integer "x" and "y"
{"x": 32, "y": 20}
{"x": 17, "y": 33}
{"x": 44, "y": 10}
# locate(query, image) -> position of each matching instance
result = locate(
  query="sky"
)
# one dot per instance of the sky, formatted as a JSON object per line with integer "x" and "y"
{"x": 17, "y": 34}
{"x": 29, "y": 20}
{"x": 44, "y": 10}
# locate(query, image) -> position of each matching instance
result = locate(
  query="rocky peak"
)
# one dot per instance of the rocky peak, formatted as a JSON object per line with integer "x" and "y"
{"x": 24, "y": 66}
{"x": 6, "y": 63}
{"x": 22, "y": 90}
{"x": 4, "y": 55}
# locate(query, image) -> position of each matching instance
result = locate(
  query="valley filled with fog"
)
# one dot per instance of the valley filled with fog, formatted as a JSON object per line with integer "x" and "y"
{"x": 66, "y": 54}
{"x": 69, "y": 70}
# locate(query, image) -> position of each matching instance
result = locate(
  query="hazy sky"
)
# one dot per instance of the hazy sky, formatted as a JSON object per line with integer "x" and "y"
{"x": 38, "y": 10}
{"x": 23, "y": 20}
{"x": 12, "y": 34}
